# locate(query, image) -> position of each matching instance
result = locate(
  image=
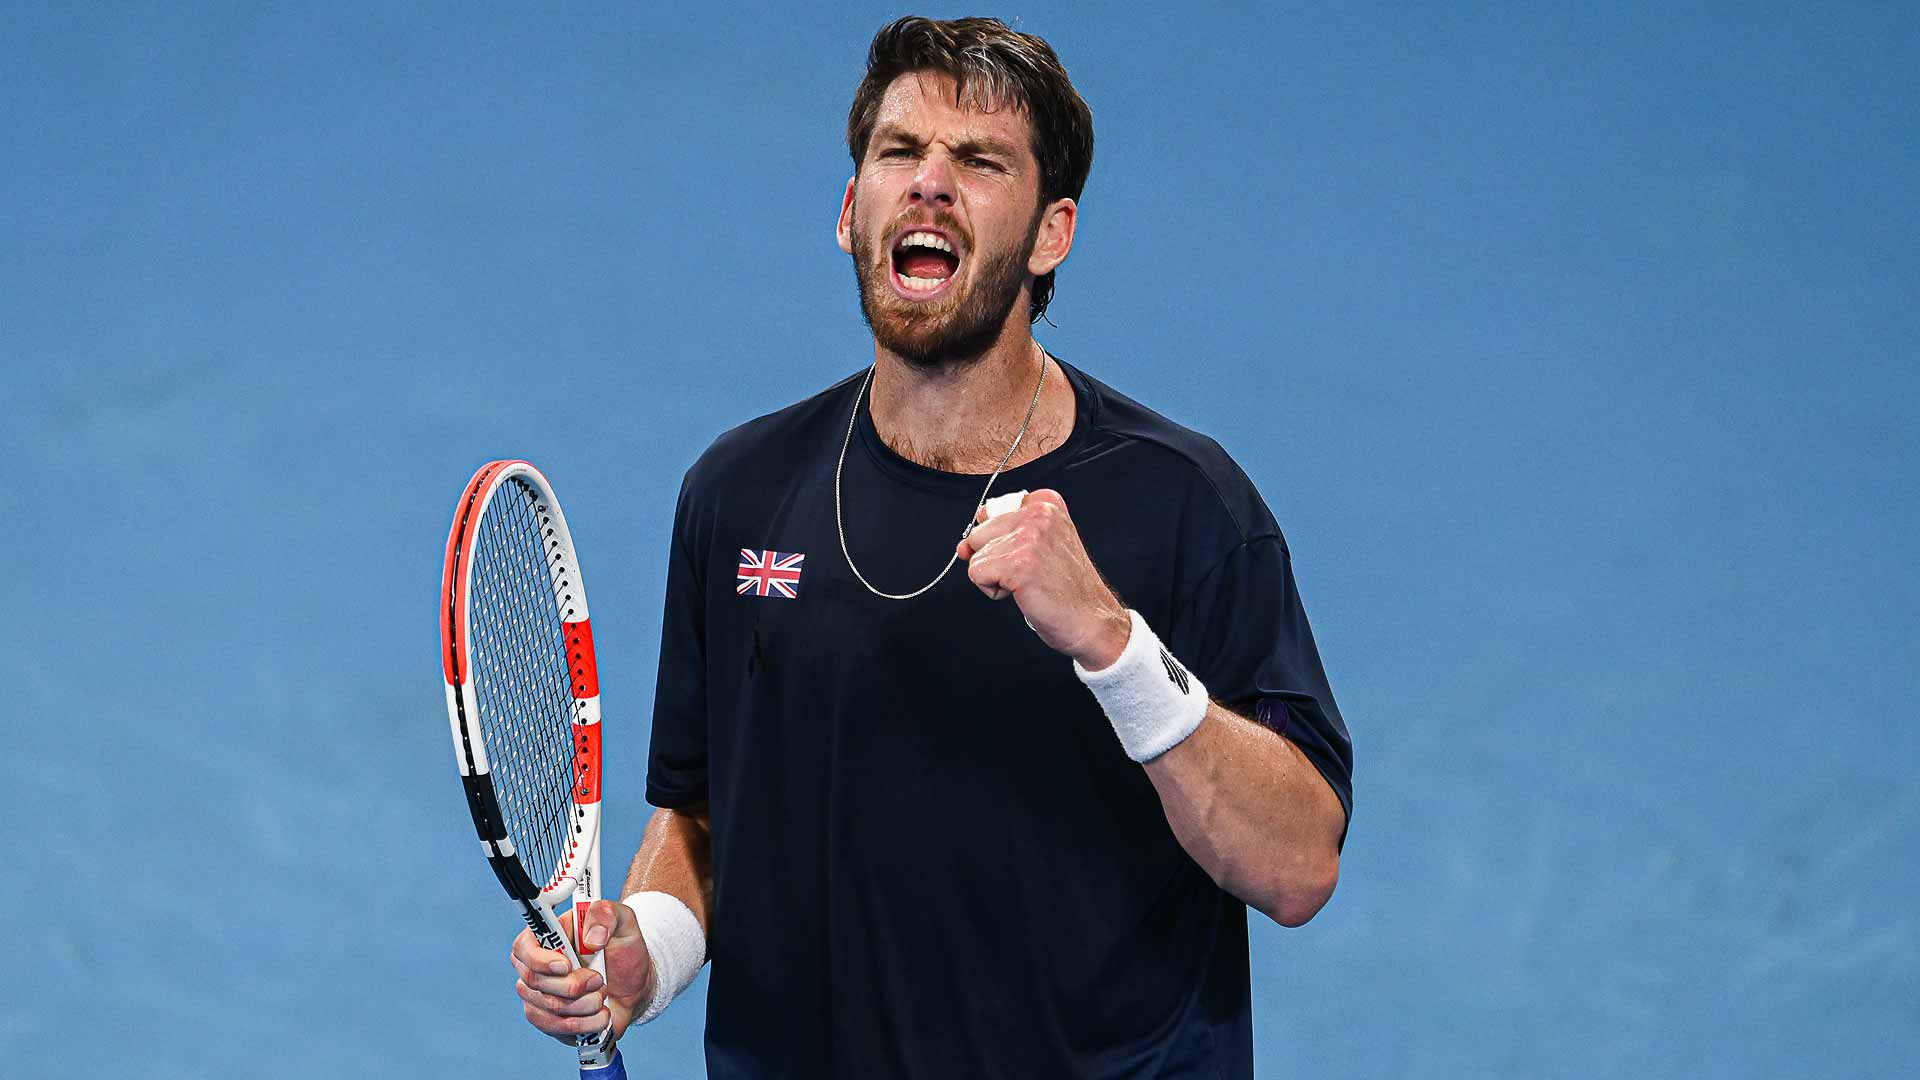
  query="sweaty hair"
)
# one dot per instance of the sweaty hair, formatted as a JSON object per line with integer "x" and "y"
{"x": 992, "y": 66}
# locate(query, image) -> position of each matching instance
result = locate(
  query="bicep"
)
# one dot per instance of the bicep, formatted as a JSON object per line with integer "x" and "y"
{"x": 1244, "y": 630}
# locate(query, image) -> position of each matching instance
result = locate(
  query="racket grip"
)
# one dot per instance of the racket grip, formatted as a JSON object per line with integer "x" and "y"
{"x": 612, "y": 1070}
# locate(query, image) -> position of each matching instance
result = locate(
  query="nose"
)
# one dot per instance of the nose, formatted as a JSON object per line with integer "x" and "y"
{"x": 933, "y": 183}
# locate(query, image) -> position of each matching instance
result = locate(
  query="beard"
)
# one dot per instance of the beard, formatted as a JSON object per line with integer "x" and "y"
{"x": 961, "y": 326}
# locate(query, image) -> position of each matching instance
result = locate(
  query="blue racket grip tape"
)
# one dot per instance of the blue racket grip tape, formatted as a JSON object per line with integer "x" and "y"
{"x": 612, "y": 1070}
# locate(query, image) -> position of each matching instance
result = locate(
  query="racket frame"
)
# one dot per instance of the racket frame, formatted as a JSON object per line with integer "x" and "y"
{"x": 577, "y": 878}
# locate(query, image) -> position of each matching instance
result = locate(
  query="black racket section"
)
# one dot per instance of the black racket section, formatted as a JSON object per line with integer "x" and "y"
{"x": 518, "y": 663}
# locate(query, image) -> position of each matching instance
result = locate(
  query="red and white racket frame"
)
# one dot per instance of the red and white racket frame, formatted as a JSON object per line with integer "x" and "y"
{"x": 578, "y": 877}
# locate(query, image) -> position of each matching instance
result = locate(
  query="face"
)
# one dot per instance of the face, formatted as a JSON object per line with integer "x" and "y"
{"x": 944, "y": 223}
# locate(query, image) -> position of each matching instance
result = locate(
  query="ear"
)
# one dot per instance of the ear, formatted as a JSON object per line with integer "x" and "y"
{"x": 844, "y": 230}
{"x": 1055, "y": 239}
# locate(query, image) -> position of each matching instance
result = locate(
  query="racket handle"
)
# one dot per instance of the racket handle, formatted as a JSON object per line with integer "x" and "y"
{"x": 612, "y": 1070}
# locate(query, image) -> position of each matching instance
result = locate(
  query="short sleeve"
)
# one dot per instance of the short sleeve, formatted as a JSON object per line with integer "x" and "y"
{"x": 1244, "y": 631}
{"x": 677, "y": 759}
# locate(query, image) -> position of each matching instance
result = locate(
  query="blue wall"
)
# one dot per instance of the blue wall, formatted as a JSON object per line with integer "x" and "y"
{"x": 1575, "y": 353}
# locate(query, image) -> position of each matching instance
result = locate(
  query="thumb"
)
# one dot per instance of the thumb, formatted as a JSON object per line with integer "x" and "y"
{"x": 606, "y": 920}
{"x": 629, "y": 964}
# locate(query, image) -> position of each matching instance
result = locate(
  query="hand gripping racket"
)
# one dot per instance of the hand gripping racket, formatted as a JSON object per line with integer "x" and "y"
{"x": 523, "y": 697}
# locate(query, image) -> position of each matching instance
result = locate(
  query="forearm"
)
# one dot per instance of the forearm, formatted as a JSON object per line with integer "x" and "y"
{"x": 1256, "y": 815}
{"x": 1243, "y": 801}
{"x": 676, "y": 857}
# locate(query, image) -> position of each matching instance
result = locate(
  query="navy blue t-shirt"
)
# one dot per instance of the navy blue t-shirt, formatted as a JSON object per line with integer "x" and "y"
{"x": 931, "y": 856}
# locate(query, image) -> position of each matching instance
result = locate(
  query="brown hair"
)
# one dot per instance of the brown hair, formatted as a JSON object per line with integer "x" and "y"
{"x": 991, "y": 65}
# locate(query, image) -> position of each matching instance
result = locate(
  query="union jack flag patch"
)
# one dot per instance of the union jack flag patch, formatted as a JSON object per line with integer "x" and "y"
{"x": 769, "y": 573}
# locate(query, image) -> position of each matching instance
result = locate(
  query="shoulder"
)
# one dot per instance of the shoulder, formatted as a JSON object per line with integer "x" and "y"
{"x": 781, "y": 437}
{"x": 1160, "y": 449}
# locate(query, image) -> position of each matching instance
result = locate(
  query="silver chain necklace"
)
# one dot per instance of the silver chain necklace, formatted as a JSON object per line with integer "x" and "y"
{"x": 840, "y": 522}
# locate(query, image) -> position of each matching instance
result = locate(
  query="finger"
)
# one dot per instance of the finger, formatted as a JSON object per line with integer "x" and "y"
{"x": 557, "y": 969}
{"x": 971, "y": 540}
{"x": 606, "y": 920}
{"x": 566, "y": 1027}
{"x": 584, "y": 1005}
{"x": 528, "y": 950}
{"x": 596, "y": 926}
{"x": 1045, "y": 495}
{"x": 998, "y": 546}
{"x": 984, "y": 572}
{"x": 629, "y": 962}
{"x": 986, "y": 533}
{"x": 574, "y": 984}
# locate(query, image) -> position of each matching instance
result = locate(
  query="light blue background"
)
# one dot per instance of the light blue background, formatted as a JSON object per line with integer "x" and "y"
{"x": 1575, "y": 353}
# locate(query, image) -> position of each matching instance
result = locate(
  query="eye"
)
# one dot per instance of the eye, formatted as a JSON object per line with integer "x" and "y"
{"x": 980, "y": 163}
{"x": 895, "y": 152}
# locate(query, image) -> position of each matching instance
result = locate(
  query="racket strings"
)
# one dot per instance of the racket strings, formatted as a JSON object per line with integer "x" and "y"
{"x": 521, "y": 676}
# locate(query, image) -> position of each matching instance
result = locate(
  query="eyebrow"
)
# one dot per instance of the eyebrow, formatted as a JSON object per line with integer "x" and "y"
{"x": 967, "y": 144}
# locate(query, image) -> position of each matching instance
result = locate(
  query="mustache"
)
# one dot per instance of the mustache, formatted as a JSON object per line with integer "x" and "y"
{"x": 940, "y": 219}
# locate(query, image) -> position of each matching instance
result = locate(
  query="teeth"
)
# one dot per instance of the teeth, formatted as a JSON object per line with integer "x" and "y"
{"x": 919, "y": 284}
{"x": 925, "y": 239}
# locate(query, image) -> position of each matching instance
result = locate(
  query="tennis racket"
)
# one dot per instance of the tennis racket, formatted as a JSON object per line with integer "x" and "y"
{"x": 523, "y": 698}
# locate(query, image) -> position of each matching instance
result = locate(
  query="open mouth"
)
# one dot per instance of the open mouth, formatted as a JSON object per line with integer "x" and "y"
{"x": 923, "y": 262}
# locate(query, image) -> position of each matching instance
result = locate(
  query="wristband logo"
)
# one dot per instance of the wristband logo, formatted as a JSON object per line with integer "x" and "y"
{"x": 1176, "y": 674}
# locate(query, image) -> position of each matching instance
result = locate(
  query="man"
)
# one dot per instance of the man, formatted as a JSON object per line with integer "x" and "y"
{"x": 987, "y": 825}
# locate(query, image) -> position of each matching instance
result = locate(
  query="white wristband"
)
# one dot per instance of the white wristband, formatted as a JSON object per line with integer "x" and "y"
{"x": 675, "y": 942}
{"x": 1152, "y": 700}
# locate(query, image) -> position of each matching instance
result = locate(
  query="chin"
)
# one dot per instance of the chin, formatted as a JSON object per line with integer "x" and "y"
{"x": 950, "y": 333}
{"x": 929, "y": 343}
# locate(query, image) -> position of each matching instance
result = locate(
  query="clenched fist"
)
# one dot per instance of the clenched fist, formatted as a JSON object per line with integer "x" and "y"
{"x": 1034, "y": 554}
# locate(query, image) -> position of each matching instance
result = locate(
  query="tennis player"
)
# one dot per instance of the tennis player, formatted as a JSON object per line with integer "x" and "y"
{"x": 1003, "y": 820}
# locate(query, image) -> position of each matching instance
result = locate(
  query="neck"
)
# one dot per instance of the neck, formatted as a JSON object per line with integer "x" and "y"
{"x": 962, "y": 415}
